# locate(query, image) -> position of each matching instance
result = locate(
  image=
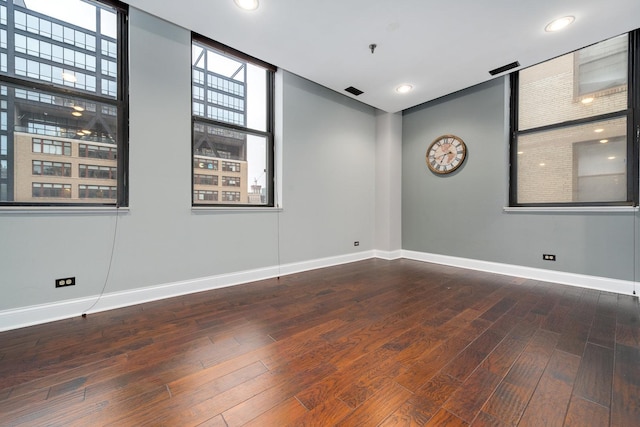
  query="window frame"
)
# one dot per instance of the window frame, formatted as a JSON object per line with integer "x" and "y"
{"x": 120, "y": 102}
{"x": 267, "y": 134}
{"x": 631, "y": 113}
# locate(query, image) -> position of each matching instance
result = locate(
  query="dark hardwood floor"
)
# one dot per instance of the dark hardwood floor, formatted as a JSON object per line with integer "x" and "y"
{"x": 388, "y": 343}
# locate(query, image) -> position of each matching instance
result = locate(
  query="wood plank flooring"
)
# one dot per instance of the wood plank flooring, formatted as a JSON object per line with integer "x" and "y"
{"x": 372, "y": 343}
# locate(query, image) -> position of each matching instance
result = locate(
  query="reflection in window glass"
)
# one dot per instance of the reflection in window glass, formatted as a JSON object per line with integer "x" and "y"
{"x": 59, "y": 131}
{"x": 602, "y": 68}
{"x": 565, "y": 88}
{"x": 570, "y": 145}
{"x": 556, "y": 166}
{"x": 231, "y": 119}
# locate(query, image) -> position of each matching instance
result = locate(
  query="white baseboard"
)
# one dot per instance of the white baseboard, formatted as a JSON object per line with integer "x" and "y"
{"x": 388, "y": 255}
{"x": 584, "y": 281}
{"x": 298, "y": 267}
{"x": 43, "y": 313}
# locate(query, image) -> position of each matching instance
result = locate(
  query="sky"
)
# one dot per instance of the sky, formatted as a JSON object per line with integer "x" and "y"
{"x": 76, "y": 12}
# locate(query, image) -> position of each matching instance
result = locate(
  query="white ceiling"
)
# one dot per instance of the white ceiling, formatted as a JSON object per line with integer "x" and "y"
{"x": 439, "y": 47}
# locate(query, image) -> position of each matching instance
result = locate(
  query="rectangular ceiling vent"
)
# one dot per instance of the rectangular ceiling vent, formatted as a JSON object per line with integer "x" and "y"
{"x": 504, "y": 68}
{"x": 352, "y": 90}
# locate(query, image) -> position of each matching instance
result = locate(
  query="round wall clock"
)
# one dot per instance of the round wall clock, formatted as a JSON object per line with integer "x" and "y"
{"x": 446, "y": 154}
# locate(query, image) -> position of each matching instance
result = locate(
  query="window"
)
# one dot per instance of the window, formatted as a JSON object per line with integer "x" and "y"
{"x": 601, "y": 69}
{"x": 96, "y": 191}
{"x": 231, "y": 167}
{"x": 201, "y": 162}
{"x": 231, "y": 196}
{"x": 51, "y": 168}
{"x": 231, "y": 181}
{"x": 205, "y": 195}
{"x": 99, "y": 172}
{"x": 48, "y": 146}
{"x": 56, "y": 191}
{"x": 570, "y": 118}
{"x": 199, "y": 179}
{"x": 63, "y": 101}
{"x": 97, "y": 151}
{"x": 232, "y": 108}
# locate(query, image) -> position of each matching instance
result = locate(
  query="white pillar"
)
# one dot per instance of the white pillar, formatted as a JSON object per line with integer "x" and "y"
{"x": 388, "y": 185}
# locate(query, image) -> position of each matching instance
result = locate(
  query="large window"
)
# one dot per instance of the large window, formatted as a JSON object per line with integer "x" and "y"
{"x": 232, "y": 107}
{"x": 63, "y": 111}
{"x": 573, "y": 127}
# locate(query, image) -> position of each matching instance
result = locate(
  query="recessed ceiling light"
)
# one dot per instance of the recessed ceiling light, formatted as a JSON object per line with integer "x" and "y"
{"x": 588, "y": 100}
{"x": 247, "y": 4}
{"x": 520, "y": 152}
{"x": 69, "y": 77}
{"x": 611, "y": 157}
{"x": 404, "y": 88}
{"x": 542, "y": 164}
{"x": 78, "y": 108}
{"x": 76, "y": 113}
{"x": 559, "y": 24}
{"x": 604, "y": 141}
{"x": 599, "y": 130}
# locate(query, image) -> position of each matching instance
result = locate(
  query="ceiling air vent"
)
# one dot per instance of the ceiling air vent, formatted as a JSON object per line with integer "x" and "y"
{"x": 504, "y": 68}
{"x": 352, "y": 90}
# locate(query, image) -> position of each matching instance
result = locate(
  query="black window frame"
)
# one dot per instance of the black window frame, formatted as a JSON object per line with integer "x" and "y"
{"x": 120, "y": 103}
{"x": 268, "y": 133}
{"x": 631, "y": 113}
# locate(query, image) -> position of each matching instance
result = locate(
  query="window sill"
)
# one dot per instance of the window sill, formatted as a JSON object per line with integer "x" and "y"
{"x": 225, "y": 209}
{"x": 578, "y": 209}
{"x": 60, "y": 210}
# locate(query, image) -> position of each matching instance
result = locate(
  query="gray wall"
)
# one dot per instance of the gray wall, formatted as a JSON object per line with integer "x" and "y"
{"x": 462, "y": 214}
{"x": 328, "y": 195}
{"x": 329, "y": 172}
{"x": 330, "y": 149}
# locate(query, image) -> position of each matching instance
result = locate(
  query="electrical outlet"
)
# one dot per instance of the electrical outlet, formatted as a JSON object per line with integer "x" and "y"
{"x": 356, "y": 243}
{"x": 67, "y": 281}
{"x": 548, "y": 257}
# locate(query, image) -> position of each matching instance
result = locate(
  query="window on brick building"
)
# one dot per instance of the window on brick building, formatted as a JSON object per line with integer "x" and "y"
{"x": 63, "y": 101}
{"x": 572, "y": 139}
{"x": 232, "y": 110}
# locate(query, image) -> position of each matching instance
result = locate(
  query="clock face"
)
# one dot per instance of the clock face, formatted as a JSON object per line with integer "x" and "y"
{"x": 446, "y": 154}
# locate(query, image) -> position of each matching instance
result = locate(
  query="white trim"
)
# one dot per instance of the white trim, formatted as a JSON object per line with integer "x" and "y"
{"x": 581, "y": 280}
{"x": 581, "y": 209}
{"x": 61, "y": 210}
{"x": 388, "y": 255}
{"x": 43, "y": 313}
{"x": 299, "y": 267}
{"x": 229, "y": 209}
{"x": 37, "y": 314}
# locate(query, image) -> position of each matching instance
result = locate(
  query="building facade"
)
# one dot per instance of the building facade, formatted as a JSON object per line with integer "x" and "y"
{"x": 51, "y": 169}
{"x": 586, "y": 162}
{"x": 219, "y": 95}
{"x": 58, "y": 147}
